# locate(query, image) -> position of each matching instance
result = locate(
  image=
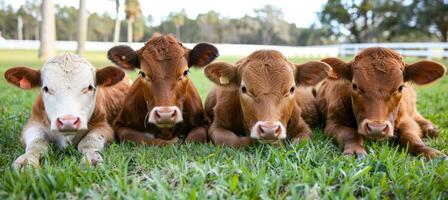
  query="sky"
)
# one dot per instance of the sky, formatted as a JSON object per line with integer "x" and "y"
{"x": 300, "y": 12}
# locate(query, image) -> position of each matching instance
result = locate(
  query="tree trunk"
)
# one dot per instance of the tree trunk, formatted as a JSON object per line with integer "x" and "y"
{"x": 48, "y": 31}
{"x": 117, "y": 23}
{"x": 19, "y": 28}
{"x": 82, "y": 27}
{"x": 130, "y": 34}
{"x": 444, "y": 36}
{"x": 36, "y": 31}
{"x": 178, "y": 32}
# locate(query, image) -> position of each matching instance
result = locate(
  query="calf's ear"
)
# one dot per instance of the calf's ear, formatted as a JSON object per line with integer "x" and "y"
{"x": 202, "y": 54}
{"x": 340, "y": 68}
{"x": 222, "y": 74}
{"x": 424, "y": 72}
{"x": 311, "y": 72}
{"x": 124, "y": 56}
{"x": 23, "y": 77}
{"x": 109, "y": 76}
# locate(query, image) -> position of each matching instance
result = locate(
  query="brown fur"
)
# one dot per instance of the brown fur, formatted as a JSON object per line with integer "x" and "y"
{"x": 367, "y": 89}
{"x": 162, "y": 62}
{"x": 268, "y": 77}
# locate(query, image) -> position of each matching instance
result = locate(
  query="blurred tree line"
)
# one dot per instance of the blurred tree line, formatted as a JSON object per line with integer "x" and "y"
{"x": 339, "y": 21}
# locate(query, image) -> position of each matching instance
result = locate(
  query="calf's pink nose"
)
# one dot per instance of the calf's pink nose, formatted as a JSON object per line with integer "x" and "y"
{"x": 68, "y": 123}
{"x": 165, "y": 115}
{"x": 269, "y": 130}
{"x": 376, "y": 127}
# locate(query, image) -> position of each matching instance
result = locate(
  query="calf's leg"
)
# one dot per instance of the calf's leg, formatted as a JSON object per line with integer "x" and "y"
{"x": 411, "y": 139}
{"x": 198, "y": 134}
{"x": 36, "y": 144}
{"x": 352, "y": 141}
{"x": 298, "y": 128}
{"x": 224, "y": 137}
{"x": 427, "y": 127}
{"x": 130, "y": 134}
{"x": 93, "y": 143}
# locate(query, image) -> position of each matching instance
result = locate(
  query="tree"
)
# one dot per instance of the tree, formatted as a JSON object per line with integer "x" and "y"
{"x": 138, "y": 29}
{"x": 209, "y": 24}
{"x": 65, "y": 28}
{"x": 132, "y": 11}
{"x": 20, "y": 14}
{"x": 432, "y": 14}
{"x": 99, "y": 27}
{"x": 347, "y": 14}
{"x": 48, "y": 31}
{"x": 247, "y": 29}
{"x": 178, "y": 18}
{"x": 272, "y": 24}
{"x": 82, "y": 27}
{"x": 31, "y": 18}
{"x": 117, "y": 22}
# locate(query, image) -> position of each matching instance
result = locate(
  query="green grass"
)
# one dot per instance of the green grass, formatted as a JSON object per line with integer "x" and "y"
{"x": 316, "y": 169}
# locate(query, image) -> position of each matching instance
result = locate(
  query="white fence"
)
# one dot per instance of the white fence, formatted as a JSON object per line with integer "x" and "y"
{"x": 427, "y": 50}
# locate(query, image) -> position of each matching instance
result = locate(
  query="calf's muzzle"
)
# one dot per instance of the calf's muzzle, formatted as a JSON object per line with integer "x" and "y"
{"x": 68, "y": 123}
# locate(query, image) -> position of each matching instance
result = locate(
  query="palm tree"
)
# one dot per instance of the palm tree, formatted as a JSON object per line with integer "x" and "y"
{"x": 117, "y": 23}
{"x": 19, "y": 27}
{"x": 82, "y": 27}
{"x": 132, "y": 12}
{"x": 48, "y": 30}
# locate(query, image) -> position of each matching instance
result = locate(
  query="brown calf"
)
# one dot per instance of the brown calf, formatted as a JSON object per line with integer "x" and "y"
{"x": 371, "y": 97}
{"x": 262, "y": 98}
{"x": 163, "y": 103}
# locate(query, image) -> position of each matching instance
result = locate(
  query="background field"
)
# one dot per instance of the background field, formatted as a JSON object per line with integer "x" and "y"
{"x": 309, "y": 170}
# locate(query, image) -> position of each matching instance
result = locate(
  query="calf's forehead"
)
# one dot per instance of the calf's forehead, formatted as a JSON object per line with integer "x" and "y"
{"x": 378, "y": 73}
{"x": 273, "y": 75}
{"x": 67, "y": 70}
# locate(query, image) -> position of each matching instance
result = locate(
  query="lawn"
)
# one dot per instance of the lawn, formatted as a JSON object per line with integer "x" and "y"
{"x": 312, "y": 170}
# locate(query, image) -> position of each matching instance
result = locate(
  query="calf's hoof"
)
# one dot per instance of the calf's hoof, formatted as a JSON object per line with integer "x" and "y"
{"x": 24, "y": 160}
{"x": 355, "y": 150}
{"x": 298, "y": 140}
{"x": 174, "y": 140}
{"x": 430, "y": 153}
{"x": 92, "y": 159}
{"x": 430, "y": 131}
{"x": 198, "y": 134}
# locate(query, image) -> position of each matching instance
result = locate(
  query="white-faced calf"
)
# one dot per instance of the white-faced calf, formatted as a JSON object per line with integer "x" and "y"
{"x": 76, "y": 105}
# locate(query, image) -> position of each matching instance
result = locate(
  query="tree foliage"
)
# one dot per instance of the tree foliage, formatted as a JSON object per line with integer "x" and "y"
{"x": 340, "y": 21}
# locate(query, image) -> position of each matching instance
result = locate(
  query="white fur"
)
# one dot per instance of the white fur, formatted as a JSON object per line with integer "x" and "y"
{"x": 33, "y": 133}
{"x": 66, "y": 76}
{"x": 254, "y": 134}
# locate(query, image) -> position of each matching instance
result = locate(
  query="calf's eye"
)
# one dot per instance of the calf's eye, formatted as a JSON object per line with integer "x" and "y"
{"x": 292, "y": 89}
{"x": 354, "y": 86}
{"x": 243, "y": 89}
{"x": 45, "y": 89}
{"x": 186, "y": 72}
{"x": 91, "y": 87}
{"x": 400, "y": 88}
{"x": 142, "y": 74}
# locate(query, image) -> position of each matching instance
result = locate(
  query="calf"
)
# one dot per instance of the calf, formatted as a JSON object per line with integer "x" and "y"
{"x": 76, "y": 105}
{"x": 163, "y": 104}
{"x": 371, "y": 97}
{"x": 261, "y": 98}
